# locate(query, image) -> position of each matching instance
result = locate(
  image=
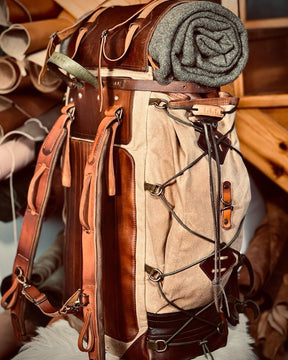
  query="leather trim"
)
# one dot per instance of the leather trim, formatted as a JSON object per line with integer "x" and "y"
{"x": 119, "y": 252}
{"x": 162, "y": 326}
{"x": 227, "y": 205}
{"x": 79, "y": 152}
{"x": 138, "y": 350}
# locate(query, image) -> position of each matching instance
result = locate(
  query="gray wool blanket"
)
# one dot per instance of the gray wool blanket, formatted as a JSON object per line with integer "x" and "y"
{"x": 199, "y": 41}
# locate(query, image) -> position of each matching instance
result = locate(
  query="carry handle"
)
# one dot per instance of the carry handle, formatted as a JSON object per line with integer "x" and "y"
{"x": 141, "y": 14}
{"x": 59, "y": 61}
{"x": 59, "y": 36}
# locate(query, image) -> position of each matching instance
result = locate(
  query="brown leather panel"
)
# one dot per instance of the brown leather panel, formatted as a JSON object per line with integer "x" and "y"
{"x": 137, "y": 55}
{"x": 88, "y": 115}
{"x": 162, "y": 326}
{"x": 119, "y": 247}
{"x": 138, "y": 350}
{"x": 136, "y": 58}
{"x": 73, "y": 232}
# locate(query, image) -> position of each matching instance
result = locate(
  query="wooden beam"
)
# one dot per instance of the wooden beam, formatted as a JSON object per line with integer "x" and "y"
{"x": 255, "y": 101}
{"x": 264, "y": 143}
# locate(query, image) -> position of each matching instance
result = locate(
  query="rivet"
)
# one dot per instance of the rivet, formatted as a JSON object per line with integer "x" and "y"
{"x": 80, "y": 95}
{"x": 116, "y": 97}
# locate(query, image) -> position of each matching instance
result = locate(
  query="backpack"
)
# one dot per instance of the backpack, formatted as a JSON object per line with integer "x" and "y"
{"x": 156, "y": 189}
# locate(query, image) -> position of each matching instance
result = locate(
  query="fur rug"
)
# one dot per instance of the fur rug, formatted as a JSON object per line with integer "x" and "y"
{"x": 59, "y": 342}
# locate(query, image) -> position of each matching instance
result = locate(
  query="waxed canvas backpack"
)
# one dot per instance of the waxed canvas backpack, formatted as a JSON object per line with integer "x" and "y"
{"x": 156, "y": 189}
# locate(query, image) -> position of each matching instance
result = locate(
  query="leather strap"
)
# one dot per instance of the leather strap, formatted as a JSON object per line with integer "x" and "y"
{"x": 142, "y": 13}
{"x": 59, "y": 36}
{"x": 227, "y": 205}
{"x": 153, "y": 85}
{"x": 80, "y": 74}
{"x": 59, "y": 61}
{"x": 230, "y": 100}
{"x": 38, "y": 195}
{"x": 90, "y": 207}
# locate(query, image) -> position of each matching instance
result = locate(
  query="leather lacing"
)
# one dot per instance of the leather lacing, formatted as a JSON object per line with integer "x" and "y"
{"x": 207, "y": 126}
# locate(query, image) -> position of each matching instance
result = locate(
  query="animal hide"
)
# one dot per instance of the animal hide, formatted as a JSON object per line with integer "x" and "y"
{"x": 59, "y": 342}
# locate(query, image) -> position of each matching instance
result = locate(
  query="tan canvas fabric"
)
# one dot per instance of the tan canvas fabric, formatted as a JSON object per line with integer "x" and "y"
{"x": 170, "y": 147}
{"x": 160, "y": 148}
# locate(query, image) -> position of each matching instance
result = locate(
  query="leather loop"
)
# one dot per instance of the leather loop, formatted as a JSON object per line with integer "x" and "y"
{"x": 66, "y": 167}
{"x": 226, "y": 205}
{"x": 33, "y": 188}
{"x": 142, "y": 13}
{"x": 86, "y": 339}
{"x": 7, "y": 303}
{"x": 83, "y": 212}
{"x": 59, "y": 36}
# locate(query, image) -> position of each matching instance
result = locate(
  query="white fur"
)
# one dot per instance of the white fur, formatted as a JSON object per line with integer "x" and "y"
{"x": 59, "y": 342}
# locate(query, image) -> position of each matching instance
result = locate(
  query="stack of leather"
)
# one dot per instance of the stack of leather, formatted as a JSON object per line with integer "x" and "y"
{"x": 27, "y": 108}
{"x": 266, "y": 253}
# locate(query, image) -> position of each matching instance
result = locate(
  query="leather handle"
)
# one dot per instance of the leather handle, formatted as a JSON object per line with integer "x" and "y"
{"x": 142, "y": 13}
{"x": 59, "y": 36}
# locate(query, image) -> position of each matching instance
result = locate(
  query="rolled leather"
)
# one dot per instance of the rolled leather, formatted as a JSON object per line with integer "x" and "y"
{"x": 32, "y": 10}
{"x": 11, "y": 74}
{"x": 273, "y": 325}
{"x": 24, "y": 104}
{"x": 22, "y": 39}
{"x": 15, "y": 155}
{"x": 266, "y": 247}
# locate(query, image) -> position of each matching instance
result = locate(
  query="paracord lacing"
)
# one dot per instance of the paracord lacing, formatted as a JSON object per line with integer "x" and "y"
{"x": 158, "y": 191}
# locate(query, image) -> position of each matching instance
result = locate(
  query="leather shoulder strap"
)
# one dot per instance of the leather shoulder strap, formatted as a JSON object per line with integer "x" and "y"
{"x": 38, "y": 194}
{"x": 90, "y": 203}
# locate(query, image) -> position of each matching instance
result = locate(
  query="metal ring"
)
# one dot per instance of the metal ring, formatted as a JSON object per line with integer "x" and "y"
{"x": 163, "y": 102}
{"x": 157, "y": 191}
{"x": 155, "y": 275}
{"x": 160, "y": 349}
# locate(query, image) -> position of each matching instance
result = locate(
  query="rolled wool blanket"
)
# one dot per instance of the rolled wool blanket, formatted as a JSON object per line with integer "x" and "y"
{"x": 201, "y": 42}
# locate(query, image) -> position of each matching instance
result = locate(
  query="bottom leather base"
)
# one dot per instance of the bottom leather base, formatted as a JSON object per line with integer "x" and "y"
{"x": 184, "y": 336}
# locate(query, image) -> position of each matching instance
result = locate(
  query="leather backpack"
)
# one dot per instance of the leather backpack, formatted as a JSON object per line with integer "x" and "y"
{"x": 156, "y": 191}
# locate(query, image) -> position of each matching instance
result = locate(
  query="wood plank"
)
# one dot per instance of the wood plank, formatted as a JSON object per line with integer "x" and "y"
{"x": 264, "y": 143}
{"x": 263, "y": 101}
{"x": 278, "y": 114}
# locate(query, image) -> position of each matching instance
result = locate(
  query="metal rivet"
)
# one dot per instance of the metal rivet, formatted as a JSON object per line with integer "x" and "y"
{"x": 80, "y": 95}
{"x": 116, "y": 97}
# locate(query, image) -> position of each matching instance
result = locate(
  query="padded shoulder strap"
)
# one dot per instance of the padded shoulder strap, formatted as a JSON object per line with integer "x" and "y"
{"x": 38, "y": 194}
{"x": 90, "y": 205}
